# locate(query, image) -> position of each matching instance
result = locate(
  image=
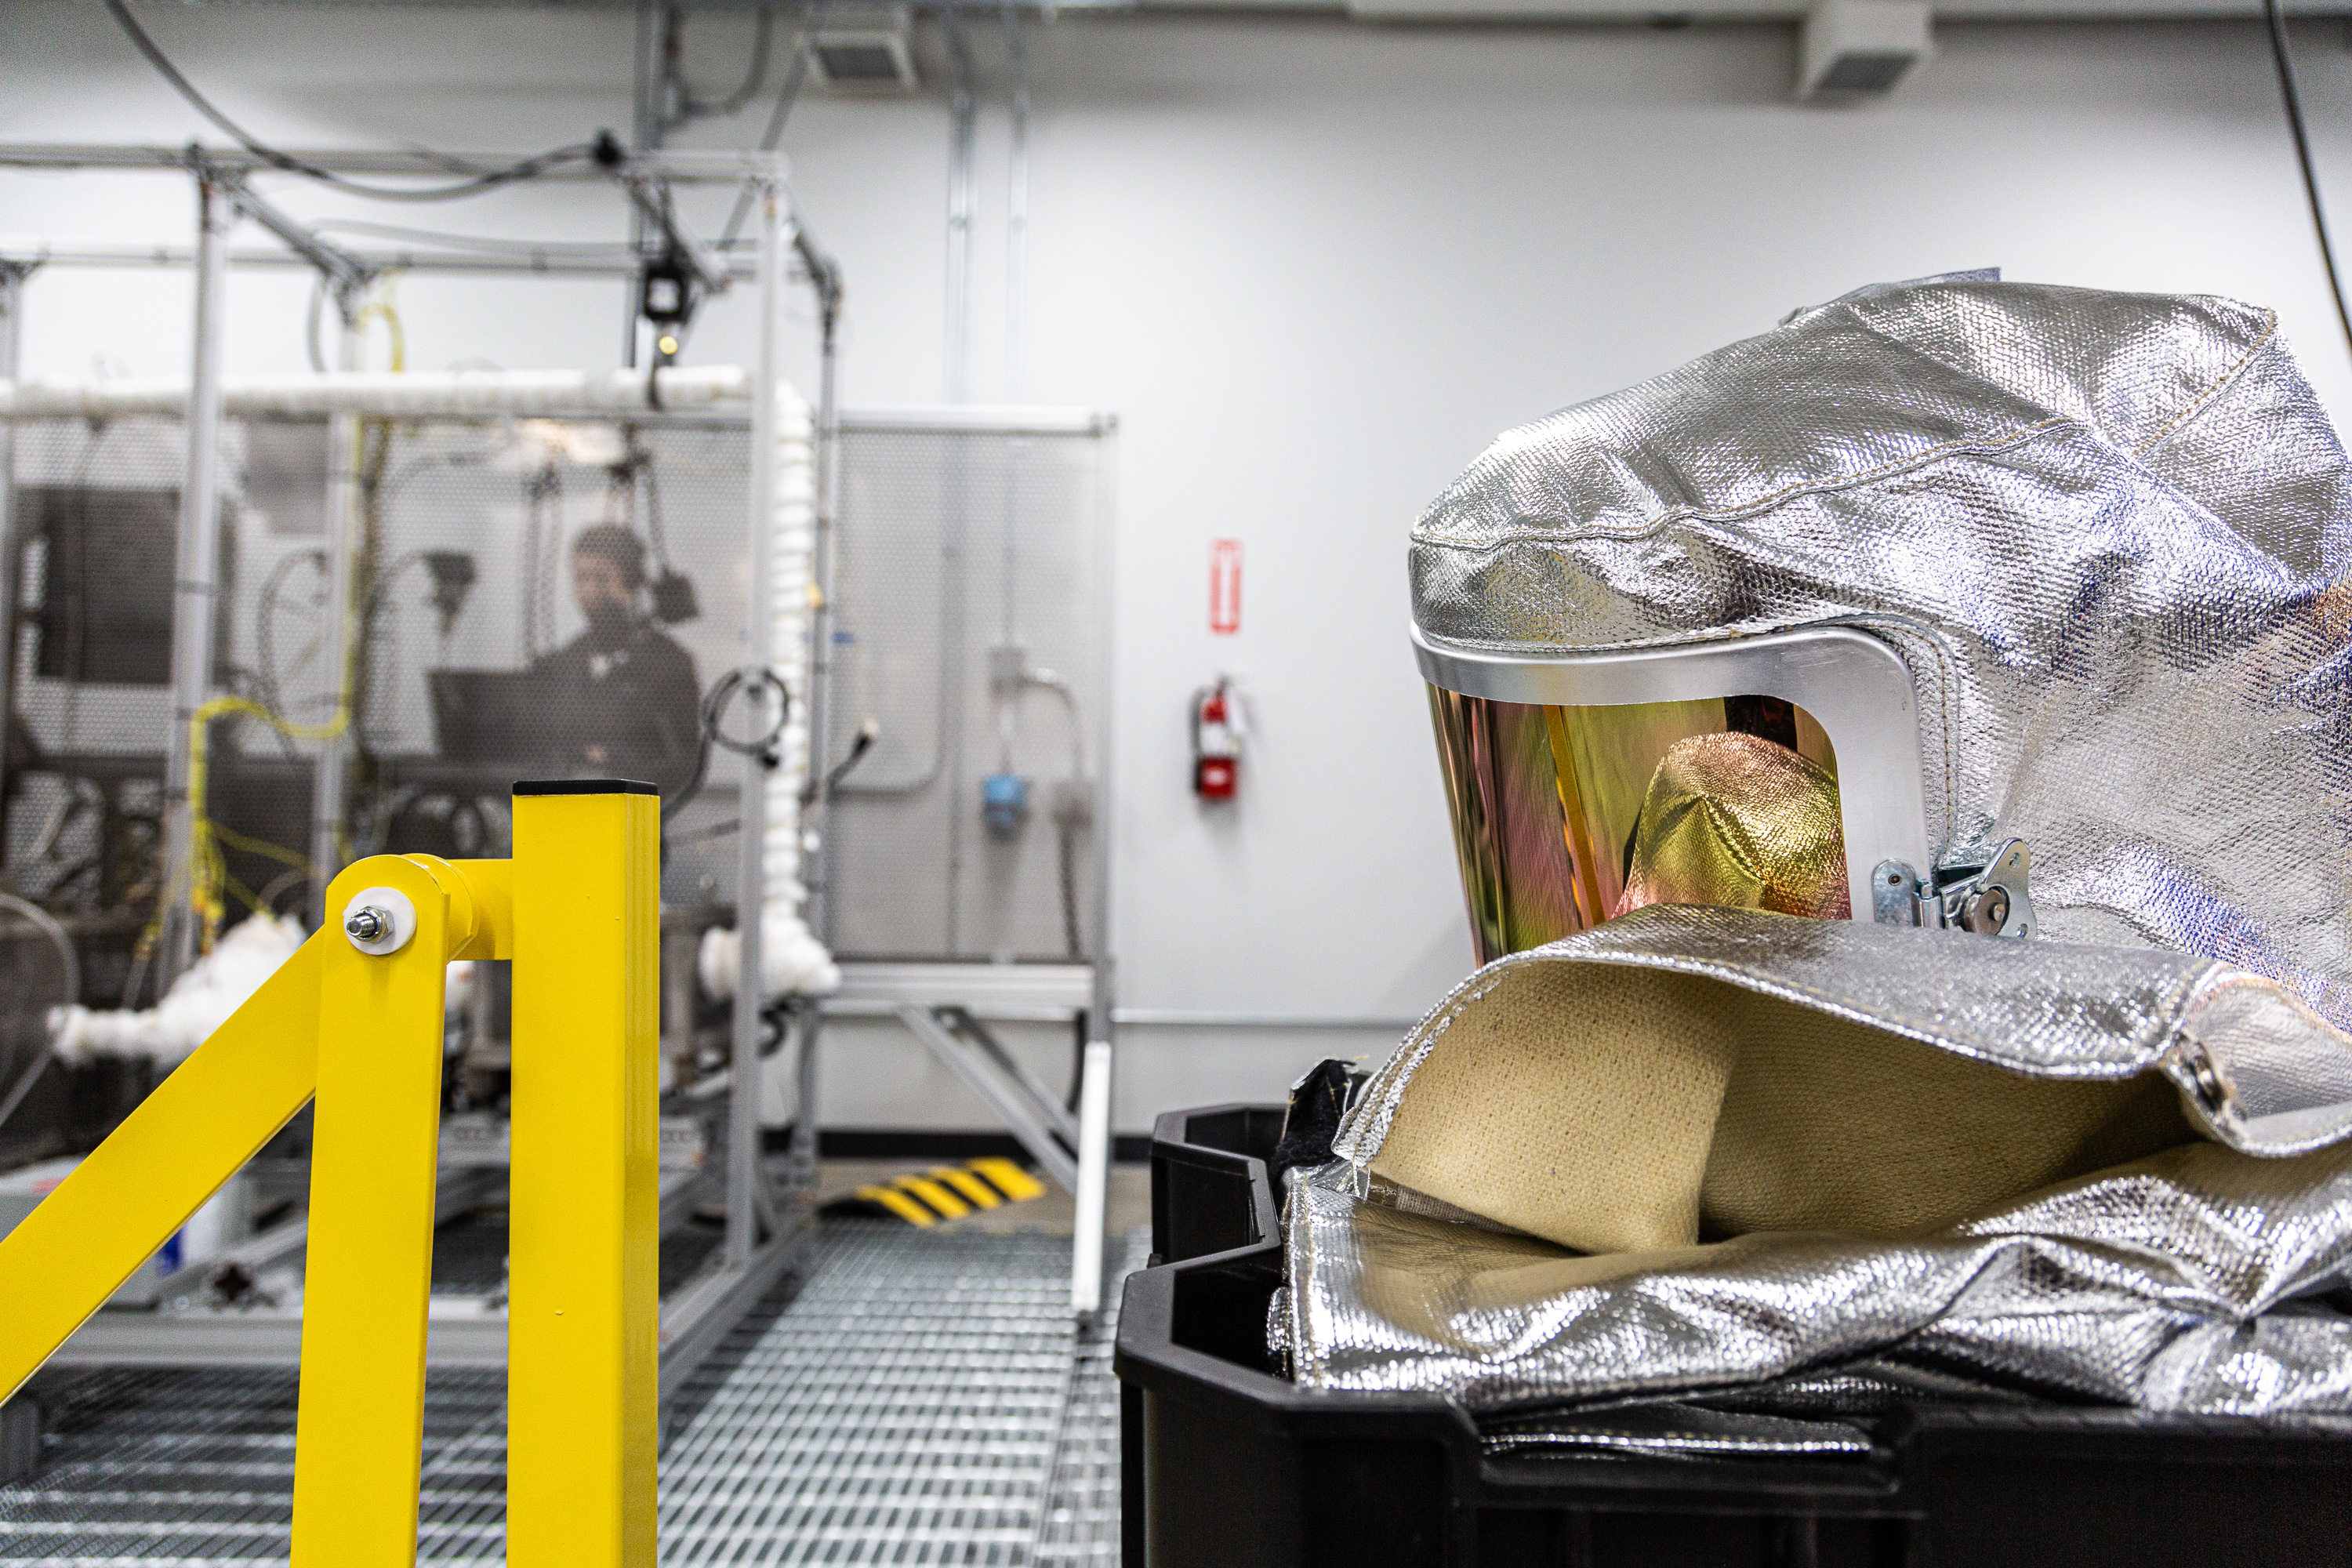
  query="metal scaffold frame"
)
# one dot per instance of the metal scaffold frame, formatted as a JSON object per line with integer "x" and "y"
{"x": 949, "y": 1006}
{"x": 767, "y": 1230}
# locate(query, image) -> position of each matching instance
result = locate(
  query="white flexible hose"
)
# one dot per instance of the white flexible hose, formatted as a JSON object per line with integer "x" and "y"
{"x": 795, "y": 961}
{"x": 199, "y": 1001}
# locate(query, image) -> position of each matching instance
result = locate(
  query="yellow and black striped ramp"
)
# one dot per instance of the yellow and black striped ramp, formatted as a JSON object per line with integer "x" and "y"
{"x": 944, "y": 1191}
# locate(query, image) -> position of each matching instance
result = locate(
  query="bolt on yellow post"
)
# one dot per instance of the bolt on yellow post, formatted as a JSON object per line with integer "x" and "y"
{"x": 354, "y": 1018}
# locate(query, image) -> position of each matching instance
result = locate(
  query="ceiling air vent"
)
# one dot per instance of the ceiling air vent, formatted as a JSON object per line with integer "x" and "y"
{"x": 863, "y": 52}
{"x": 1859, "y": 48}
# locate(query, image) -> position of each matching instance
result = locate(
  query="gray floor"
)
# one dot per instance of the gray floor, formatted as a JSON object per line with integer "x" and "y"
{"x": 924, "y": 1399}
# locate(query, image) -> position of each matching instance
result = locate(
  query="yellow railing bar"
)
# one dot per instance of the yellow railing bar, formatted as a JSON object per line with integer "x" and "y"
{"x": 374, "y": 1151}
{"x": 578, "y": 910}
{"x": 583, "y": 1330}
{"x": 124, "y": 1201}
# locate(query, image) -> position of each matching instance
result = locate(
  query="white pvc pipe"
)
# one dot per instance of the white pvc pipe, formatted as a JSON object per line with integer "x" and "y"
{"x": 1094, "y": 1180}
{"x": 387, "y": 395}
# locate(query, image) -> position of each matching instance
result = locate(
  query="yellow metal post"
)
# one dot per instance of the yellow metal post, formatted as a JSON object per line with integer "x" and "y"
{"x": 583, "y": 1348}
{"x": 125, "y": 1200}
{"x": 375, "y": 1144}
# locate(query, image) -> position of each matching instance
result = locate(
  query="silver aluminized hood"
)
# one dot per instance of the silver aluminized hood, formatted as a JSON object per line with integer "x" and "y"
{"x": 2182, "y": 1266}
{"x": 2106, "y": 534}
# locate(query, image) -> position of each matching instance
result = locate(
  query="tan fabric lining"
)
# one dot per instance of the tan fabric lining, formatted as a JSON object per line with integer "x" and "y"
{"x": 1544, "y": 1108}
{"x": 1613, "y": 1110}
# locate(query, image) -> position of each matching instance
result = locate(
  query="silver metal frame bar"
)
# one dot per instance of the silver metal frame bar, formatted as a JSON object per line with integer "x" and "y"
{"x": 347, "y": 272}
{"x": 196, "y": 589}
{"x": 959, "y": 419}
{"x": 558, "y": 260}
{"x": 1097, "y": 1085}
{"x": 12, "y": 316}
{"x": 1004, "y": 1097}
{"x": 992, "y": 990}
{"x": 1189, "y": 1018}
{"x": 825, "y": 275}
{"x": 693, "y": 1321}
{"x": 698, "y": 1318}
{"x": 344, "y": 503}
{"x": 751, "y": 796}
{"x": 962, "y": 1024}
{"x": 1856, "y": 687}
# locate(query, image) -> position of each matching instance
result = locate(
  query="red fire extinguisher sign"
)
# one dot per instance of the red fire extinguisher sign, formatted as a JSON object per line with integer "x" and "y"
{"x": 1224, "y": 587}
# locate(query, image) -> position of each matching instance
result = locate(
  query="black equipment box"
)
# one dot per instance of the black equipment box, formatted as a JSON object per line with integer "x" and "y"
{"x": 1224, "y": 1462}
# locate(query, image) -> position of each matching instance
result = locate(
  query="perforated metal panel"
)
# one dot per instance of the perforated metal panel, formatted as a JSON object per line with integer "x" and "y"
{"x": 94, "y": 520}
{"x": 924, "y": 1400}
{"x": 463, "y": 585}
{"x": 965, "y": 557}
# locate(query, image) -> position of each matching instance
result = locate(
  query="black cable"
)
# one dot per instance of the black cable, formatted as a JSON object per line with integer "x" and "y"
{"x": 755, "y": 77}
{"x": 2293, "y": 97}
{"x": 489, "y": 179}
{"x": 868, "y": 733}
{"x": 1066, "y": 835}
{"x": 723, "y": 692}
{"x": 757, "y": 682}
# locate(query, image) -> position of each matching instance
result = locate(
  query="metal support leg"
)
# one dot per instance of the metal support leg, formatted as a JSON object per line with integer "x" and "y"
{"x": 343, "y": 513}
{"x": 752, "y": 869}
{"x": 12, "y": 323}
{"x": 1047, "y": 1106}
{"x": 799, "y": 1163}
{"x": 1093, "y": 1191}
{"x": 199, "y": 561}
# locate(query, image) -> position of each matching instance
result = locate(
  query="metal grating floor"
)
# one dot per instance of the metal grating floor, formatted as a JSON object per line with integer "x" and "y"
{"x": 923, "y": 1400}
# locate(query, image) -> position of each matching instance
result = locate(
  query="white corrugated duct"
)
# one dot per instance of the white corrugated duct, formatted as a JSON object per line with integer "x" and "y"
{"x": 793, "y": 959}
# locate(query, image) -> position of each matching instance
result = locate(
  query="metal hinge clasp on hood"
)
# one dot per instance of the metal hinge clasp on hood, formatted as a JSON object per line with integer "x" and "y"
{"x": 1994, "y": 901}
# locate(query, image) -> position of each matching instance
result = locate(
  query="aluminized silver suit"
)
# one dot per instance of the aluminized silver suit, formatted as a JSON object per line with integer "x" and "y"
{"x": 2187, "y": 1279}
{"x": 2109, "y": 536}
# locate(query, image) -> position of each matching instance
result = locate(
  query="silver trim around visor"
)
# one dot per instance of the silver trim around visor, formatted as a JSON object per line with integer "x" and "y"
{"x": 1855, "y": 687}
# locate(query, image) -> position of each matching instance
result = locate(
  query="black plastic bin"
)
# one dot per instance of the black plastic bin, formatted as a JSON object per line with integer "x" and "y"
{"x": 1226, "y": 1463}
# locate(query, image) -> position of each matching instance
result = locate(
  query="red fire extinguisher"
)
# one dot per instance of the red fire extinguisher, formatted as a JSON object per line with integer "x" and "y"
{"x": 1218, "y": 721}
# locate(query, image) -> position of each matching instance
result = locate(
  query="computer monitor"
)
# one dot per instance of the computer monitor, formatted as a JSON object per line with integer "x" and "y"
{"x": 495, "y": 716}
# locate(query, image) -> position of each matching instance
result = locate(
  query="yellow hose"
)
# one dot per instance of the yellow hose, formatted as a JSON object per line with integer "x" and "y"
{"x": 207, "y": 872}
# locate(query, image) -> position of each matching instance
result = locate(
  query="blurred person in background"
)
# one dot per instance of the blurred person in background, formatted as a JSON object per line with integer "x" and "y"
{"x": 624, "y": 692}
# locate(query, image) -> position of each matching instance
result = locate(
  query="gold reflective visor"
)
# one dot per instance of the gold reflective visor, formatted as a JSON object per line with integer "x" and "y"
{"x": 1565, "y": 816}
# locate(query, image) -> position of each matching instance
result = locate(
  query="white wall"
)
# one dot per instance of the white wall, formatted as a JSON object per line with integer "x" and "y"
{"x": 1313, "y": 266}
